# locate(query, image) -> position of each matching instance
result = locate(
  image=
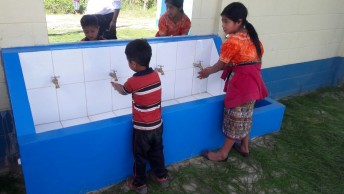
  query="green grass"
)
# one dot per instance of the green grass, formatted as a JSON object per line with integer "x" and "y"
{"x": 134, "y": 11}
{"x": 77, "y": 35}
{"x": 304, "y": 157}
{"x": 127, "y": 12}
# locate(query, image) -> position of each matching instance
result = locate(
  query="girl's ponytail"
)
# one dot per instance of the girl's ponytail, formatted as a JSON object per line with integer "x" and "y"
{"x": 254, "y": 37}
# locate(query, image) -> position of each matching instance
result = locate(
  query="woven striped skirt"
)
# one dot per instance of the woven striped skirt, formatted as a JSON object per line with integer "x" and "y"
{"x": 237, "y": 121}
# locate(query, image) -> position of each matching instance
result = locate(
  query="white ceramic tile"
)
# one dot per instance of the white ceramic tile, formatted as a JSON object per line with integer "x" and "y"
{"x": 215, "y": 84}
{"x": 203, "y": 51}
{"x": 74, "y": 122}
{"x": 96, "y": 63}
{"x": 186, "y": 54}
{"x": 169, "y": 103}
{"x": 43, "y": 104}
{"x": 72, "y": 101}
{"x": 167, "y": 55}
{"x": 198, "y": 85}
{"x": 153, "y": 62}
{"x": 214, "y": 57}
{"x": 98, "y": 97}
{"x": 102, "y": 116}
{"x": 167, "y": 84}
{"x": 186, "y": 99}
{"x": 37, "y": 69}
{"x": 120, "y": 101}
{"x": 202, "y": 95}
{"x": 68, "y": 65}
{"x": 183, "y": 86}
{"x": 119, "y": 62}
{"x": 121, "y": 112}
{"x": 48, "y": 127}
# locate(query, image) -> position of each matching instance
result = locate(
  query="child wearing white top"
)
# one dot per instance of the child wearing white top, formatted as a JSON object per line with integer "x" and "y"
{"x": 106, "y": 12}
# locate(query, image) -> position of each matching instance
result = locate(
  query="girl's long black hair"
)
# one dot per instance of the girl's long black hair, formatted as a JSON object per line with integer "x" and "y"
{"x": 236, "y": 11}
{"x": 177, "y": 3}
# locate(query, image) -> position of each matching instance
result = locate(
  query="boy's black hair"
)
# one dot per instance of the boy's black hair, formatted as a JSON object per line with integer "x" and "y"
{"x": 236, "y": 11}
{"x": 139, "y": 51}
{"x": 89, "y": 20}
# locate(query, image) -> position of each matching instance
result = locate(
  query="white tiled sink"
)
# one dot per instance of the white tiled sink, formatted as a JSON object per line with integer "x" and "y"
{"x": 85, "y": 94}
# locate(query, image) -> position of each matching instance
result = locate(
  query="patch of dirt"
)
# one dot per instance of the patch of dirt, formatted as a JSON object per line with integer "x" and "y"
{"x": 265, "y": 141}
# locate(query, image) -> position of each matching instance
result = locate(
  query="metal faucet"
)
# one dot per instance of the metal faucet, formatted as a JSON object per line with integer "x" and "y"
{"x": 198, "y": 64}
{"x": 113, "y": 75}
{"x": 55, "y": 81}
{"x": 159, "y": 69}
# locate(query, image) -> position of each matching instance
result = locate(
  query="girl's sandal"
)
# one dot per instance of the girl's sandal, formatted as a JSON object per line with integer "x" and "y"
{"x": 236, "y": 147}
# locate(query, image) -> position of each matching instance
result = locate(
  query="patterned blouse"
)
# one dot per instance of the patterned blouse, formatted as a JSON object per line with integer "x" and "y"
{"x": 168, "y": 28}
{"x": 239, "y": 48}
{"x": 243, "y": 83}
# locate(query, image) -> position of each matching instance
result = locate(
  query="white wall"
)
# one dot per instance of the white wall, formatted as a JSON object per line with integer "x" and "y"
{"x": 292, "y": 31}
{"x": 341, "y": 51}
{"x": 22, "y": 23}
{"x": 205, "y": 17}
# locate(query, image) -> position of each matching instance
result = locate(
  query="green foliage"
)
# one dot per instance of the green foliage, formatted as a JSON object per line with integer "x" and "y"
{"x": 66, "y": 6}
{"x": 143, "y": 4}
{"x": 62, "y": 6}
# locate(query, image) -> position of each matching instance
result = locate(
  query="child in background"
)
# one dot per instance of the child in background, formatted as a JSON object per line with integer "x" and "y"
{"x": 240, "y": 58}
{"x": 174, "y": 22}
{"x": 76, "y": 5}
{"x": 145, "y": 87}
{"x": 89, "y": 24}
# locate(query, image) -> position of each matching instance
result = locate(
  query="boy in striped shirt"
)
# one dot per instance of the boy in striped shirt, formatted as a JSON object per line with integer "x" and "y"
{"x": 145, "y": 87}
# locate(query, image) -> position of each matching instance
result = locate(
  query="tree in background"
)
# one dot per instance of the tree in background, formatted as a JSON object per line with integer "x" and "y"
{"x": 62, "y": 6}
{"x": 66, "y": 6}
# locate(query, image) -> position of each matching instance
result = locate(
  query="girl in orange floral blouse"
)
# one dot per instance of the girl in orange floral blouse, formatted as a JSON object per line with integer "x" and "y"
{"x": 174, "y": 22}
{"x": 240, "y": 60}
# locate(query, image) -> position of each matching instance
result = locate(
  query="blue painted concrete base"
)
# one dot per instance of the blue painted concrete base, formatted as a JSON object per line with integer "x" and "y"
{"x": 303, "y": 77}
{"x": 95, "y": 155}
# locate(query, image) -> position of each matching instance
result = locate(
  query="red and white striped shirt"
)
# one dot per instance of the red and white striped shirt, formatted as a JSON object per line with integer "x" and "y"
{"x": 145, "y": 87}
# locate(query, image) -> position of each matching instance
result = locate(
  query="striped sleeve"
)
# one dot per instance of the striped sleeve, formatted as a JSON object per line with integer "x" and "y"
{"x": 127, "y": 87}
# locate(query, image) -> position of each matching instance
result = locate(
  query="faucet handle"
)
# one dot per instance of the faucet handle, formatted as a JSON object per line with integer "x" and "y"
{"x": 113, "y": 75}
{"x": 198, "y": 64}
{"x": 55, "y": 81}
{"x": 159, "y": 69}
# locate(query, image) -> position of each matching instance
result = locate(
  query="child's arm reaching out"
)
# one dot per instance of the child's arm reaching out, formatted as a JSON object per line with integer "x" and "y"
{"x": 119, "y": 88}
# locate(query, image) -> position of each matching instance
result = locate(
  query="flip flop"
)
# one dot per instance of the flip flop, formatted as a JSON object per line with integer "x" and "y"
{"x": 236, "y": 147}
{"x": 205, "y": 154}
